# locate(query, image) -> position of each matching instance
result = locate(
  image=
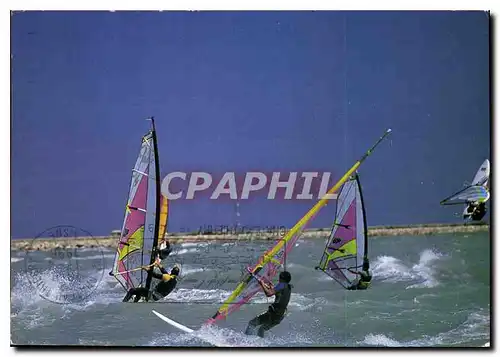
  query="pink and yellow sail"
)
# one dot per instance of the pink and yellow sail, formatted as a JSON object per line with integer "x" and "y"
{"x": 137, "y": 239}
{"x": 347, "y": 244}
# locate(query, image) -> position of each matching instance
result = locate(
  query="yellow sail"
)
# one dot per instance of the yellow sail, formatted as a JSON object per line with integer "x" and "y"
{"x": 163, "y": 217}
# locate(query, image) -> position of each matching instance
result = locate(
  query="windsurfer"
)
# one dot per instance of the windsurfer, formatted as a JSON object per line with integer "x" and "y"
{"x": 164, "y": 287}
{"x": 476, "y": 211}
{"x": 365, "y": 277}
{"x": 276, "y": 311}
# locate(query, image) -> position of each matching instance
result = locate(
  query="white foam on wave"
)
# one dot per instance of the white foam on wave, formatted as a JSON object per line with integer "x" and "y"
{"x": 392, "y": 270}
{"x": 299, "y": 301}
{"x": 213, "y": 334}
{"x": 190, "y": 244}
{"x": 208, "y": 335}
{"x": 34, "y": 290}
{"x": 184, "y": 251}
{"x": 304, "y": 303}
{"x": 28, "y": 305}
{"x": 469, "y": 333}
{"x": 187, "y": 270}
{"x": 195, "y": 295}
{"x": 227, "y": 336}
{"x": 425, "y": 269}
{"x": 380, "y": 340}
{"x": 15, "y": 259}
{"x": 476, "y": 326}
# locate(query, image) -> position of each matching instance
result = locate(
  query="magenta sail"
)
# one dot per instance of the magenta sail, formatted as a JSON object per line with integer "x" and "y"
{"x": 136, "y": 238}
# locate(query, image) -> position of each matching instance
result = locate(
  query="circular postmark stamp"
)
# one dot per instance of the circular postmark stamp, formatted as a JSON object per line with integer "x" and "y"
{"x": 62, "y": 269}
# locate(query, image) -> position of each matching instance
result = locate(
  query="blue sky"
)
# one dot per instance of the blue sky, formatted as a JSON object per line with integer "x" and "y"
{"x": 236, "y": 91}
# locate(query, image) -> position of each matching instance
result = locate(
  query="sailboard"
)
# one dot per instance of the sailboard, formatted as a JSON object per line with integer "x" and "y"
{"x": 347, "y": 244}
{"x": 273, "y": 259}
{"x": 186, "y": 329}
{"x": 145, "y": 221}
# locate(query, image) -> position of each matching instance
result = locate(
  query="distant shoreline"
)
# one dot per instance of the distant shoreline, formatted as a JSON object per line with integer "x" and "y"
{"x": 45, "y": 244}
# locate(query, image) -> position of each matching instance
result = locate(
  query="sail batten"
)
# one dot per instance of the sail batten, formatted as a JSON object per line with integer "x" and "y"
{"x": 140, "y": 172}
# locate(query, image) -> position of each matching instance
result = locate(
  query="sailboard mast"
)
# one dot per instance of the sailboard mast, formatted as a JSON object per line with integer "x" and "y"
{"x": 269, "y": 263}
{"x": 158, "y": 205}
{"x": 363, "y": 210}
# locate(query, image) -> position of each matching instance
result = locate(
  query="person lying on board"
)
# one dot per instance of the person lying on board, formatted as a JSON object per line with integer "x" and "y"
{"x": 276, "y": 311}
{"x": 164, "y": 287}
{"x": 365, "y": 277}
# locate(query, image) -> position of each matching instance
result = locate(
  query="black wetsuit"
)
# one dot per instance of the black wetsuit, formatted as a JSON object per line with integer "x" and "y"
{"x": 479, "y": 212}
{"x": 161, "y": 290}
{"x": 276, "y": 312}
{"x": 364, "y": 281}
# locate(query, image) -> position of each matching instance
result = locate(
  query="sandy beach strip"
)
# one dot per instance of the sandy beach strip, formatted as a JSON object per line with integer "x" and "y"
{"x": 227, "y": 236}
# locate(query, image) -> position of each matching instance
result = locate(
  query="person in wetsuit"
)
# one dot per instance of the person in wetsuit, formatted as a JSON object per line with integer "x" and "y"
{"x": 164, "y": 287}
{"x": 365, "y": 277}
{"x": 276, "y": 311}
{"x": 476, "y": 211}
{"x": 479, "y": 212}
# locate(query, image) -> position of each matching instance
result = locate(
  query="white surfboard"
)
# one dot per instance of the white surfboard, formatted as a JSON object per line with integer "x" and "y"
{"x": 186, "y": 329}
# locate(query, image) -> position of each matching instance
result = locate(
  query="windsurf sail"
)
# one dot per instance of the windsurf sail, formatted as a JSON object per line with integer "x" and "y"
{"x": 347, "y": 244}
{"x": 163, "y": 217}
{"x": 271, "y": 261}
{"x": 477, "y": 191}
{"x": 478, "y": 194}
{"x": 266, "y": 268}
{"x": 145, "y": 218}
{"x": 482, "y": 175}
